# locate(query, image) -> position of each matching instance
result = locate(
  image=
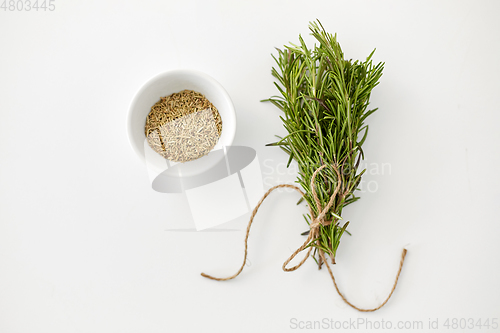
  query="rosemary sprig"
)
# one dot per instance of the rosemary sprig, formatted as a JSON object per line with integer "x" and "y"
{"x": 325, "y": 102}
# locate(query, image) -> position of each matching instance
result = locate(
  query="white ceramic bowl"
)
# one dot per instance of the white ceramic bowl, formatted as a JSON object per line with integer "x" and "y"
{"x": 168, "y": 83}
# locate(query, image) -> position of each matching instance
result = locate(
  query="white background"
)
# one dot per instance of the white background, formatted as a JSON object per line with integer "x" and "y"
{"x": 84, "y": 240}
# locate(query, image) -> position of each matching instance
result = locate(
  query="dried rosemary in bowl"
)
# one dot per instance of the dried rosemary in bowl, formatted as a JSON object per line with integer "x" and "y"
{"x": 183, "y": 126}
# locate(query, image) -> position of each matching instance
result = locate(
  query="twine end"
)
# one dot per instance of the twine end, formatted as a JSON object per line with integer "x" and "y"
{"x": 208, "y": 276}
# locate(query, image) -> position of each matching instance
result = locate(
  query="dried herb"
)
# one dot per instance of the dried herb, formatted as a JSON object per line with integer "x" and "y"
{"x": 183, "y": 126}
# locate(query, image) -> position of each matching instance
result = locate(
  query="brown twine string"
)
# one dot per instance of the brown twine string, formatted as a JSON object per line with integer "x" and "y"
{"x": 314, "y": 229}
{"x": 403, "y": 255}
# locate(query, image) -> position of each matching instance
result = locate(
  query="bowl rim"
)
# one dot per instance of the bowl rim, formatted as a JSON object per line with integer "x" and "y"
{"x": 231, "y": 127}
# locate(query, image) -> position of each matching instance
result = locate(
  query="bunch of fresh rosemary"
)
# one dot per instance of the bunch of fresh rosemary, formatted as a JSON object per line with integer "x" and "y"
{"x": 325, "y": 99}
{"x": 325, "y": 102}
